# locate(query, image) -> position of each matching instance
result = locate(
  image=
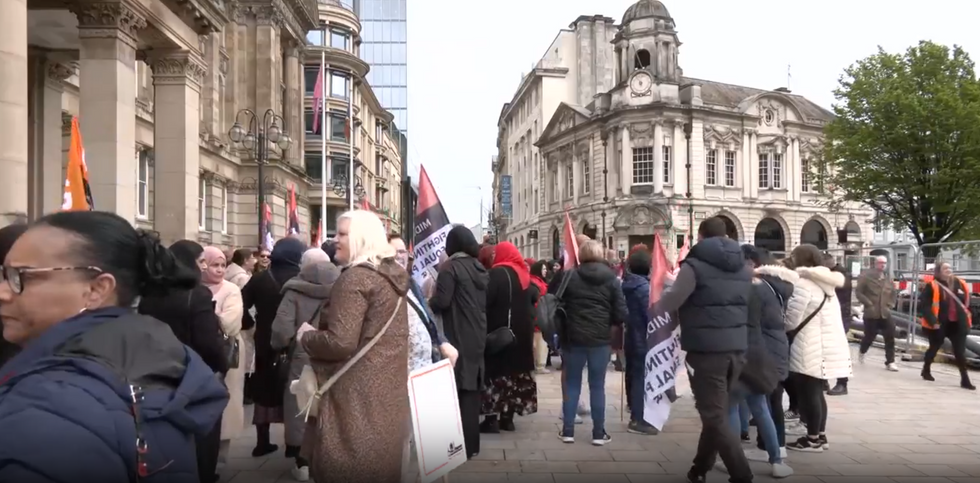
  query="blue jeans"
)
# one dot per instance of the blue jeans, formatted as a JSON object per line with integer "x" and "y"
{"x": 743, "y": 417}
{"x": 575, "y": 360}
{"x": 758, "y": 405}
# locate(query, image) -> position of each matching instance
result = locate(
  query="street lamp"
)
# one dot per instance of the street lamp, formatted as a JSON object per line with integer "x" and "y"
{"x": 341, "y": 186}
{"x": 256, "y": 140}
{"x": 605, "y": 185}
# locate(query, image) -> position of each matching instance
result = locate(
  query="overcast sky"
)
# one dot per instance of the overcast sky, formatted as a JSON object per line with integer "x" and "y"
{"x": 466, "y": 59}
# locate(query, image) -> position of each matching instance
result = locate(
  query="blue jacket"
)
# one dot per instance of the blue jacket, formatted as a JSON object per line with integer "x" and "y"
{"x": 65, "y": 403}
{"x": 636, "y": 289}
{"x": 429, "y": 320}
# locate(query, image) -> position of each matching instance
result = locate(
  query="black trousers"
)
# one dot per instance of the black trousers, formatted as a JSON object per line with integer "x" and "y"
{"x": 885, "y": 327}
{"x": 957, "y": 338}
{"x": 469, "y": 415}
{"x": 813, "y": 404}
{"x": 207, "y": 449}
{"x": 712, "y": 381}
{"x": 789, "y": 385}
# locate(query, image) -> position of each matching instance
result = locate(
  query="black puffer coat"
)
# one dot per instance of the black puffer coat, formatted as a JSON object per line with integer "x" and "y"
{"x": 594, "y": 302}
{"x": 774, "y": 290}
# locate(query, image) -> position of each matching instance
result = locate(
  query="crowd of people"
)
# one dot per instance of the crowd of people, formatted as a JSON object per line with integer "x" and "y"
{"x": 124, "y": 360}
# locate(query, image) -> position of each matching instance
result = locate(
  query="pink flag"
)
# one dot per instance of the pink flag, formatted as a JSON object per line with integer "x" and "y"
{"x": 659, "y": 267}
{"x": 571, "y": 246}
{"x": 318, "y": 99}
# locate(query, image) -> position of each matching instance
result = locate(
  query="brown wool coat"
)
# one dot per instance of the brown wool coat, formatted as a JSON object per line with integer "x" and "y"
{"x": 361, "y": 429}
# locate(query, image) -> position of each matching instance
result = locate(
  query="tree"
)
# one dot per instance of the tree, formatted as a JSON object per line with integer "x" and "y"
{"x": 906, "y": 140}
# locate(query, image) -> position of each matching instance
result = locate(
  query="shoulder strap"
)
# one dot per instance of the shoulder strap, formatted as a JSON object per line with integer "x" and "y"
{"x": 350, "y": 362}
{"x": 953, "y": 295}
{"x": 782, "y": 303}
{"x": 510, "y": 297}
{"x": 810, "y": 317}
{"x": 565, "y": 277}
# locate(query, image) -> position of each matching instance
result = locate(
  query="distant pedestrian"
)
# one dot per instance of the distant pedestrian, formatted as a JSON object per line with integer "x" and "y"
{"x": 877, "y": 293}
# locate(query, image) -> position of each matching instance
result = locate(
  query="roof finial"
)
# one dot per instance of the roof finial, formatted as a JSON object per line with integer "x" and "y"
{"x": 789, "y": 76}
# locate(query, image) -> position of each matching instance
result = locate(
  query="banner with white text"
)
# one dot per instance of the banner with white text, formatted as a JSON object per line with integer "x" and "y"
{"x": 664, "y": 356}
{"x": 430, "y": 231}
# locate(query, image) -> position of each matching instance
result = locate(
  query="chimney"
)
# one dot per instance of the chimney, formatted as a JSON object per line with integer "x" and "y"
{"x": 784, "y": 90}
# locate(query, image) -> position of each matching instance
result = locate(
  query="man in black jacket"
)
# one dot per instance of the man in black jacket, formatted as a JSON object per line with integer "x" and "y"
{"x": 844, "y": 297}
{"x": 711, "y": 295}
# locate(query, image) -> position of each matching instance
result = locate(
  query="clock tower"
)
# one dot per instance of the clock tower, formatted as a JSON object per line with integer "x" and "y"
{"x": 646, "y": 49}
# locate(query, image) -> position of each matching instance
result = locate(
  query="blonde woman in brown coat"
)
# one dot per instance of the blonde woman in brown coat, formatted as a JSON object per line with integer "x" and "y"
{"x": 360, "y": 432}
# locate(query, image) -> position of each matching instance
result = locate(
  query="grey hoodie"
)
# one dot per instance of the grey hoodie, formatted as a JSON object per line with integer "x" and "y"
{"x": 304, "y": 298}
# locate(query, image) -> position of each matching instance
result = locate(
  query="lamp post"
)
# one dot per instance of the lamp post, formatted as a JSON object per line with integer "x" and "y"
{"x": 688, "y": 129}
{"x": 256, "y": 140}
{"x": 341, "y": 187}
{"x": 605, "y": 185}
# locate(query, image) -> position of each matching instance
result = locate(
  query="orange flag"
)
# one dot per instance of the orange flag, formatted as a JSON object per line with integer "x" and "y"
{"x": 78, "y": 193}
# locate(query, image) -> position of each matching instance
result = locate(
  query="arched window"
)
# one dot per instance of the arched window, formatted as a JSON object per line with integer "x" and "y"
{"x": 641, "y": 59}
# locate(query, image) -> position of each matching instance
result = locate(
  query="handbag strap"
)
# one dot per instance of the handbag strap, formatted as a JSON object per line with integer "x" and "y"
{"x": 510, "y": 297}
{"x": 809, "y": 317}
{"x": 782, "y": 303}
{"x": 954, "y": 296}
{"x": 565, "y": 277}
{"x": 353, "y": 360}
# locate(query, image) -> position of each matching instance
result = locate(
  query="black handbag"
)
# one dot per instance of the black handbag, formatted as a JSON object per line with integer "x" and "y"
{"x": 501, "y": 338}
{"x": 232, "y": 351}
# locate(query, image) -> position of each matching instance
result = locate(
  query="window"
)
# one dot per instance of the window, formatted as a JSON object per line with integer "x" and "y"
{"x": 338, "y": 39}
{"x": 339, "y": 167}
{"x": 536, "y": 207}
{"x": 314, "y": 168}
{"x": 805, "y": 176}
{"x": 142, "y": 185}
{"x": 202, "y": 203}
{"x": 901, "y": 261}
{"x": 315, "y": 37}
{"x": 338, "y": 123}
{"x": 878, "y": 224}
{"x": 641, "y": 59}
{"x": 763, "y": 170}
{"x": 668, "y": 151}
{"x": 224, "y": 210}
{"x": 569, "y": 180}
{"x": 586, "y": 175}
{"x": 378, "y": 131}
{"x": 777, "y": 170}
{"x": 711, "y": 167}
{"x": 338, "y": 84}
{"x": 643, "y": 165}
{"x": 308, "y": 121}
{"x": 310, "y": 73}
{"x": 730, "y": 169}
{"x": 378, "y": 164}
{"x": 554, "y": 185}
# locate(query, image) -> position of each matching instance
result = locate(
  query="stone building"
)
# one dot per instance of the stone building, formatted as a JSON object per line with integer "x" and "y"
{"x": 660, "y": 152}
{"x": 157, "y": 85}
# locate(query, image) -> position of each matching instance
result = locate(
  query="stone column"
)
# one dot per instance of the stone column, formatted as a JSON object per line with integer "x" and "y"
{"x": 626, "y": 161}
{"x": 753, "y": 165}
{"x": 678, "y": 165}
{"x": 743, "y": 169}
{"x": 294, "y": 102}
{"x": 267, "y": 69}
{"x": 658, "y": 156}
{"x": 13, "y": 110}
{"x": 107, "y": 104}
{"x": 177, "y": 78}
{"x": 51, "y": 182}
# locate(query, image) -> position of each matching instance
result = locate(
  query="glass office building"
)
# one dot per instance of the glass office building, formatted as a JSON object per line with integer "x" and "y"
{"x": 384, "y": 45}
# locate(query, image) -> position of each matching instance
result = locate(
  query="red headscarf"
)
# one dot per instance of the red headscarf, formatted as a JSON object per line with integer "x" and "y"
{"x": 486, "y": 256}
{"x": 506, "y": 255}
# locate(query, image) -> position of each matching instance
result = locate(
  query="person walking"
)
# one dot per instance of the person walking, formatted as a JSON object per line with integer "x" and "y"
{"x": 876, "y": 292}
{"x": 711, "y": 293}
{"x": 944, "y": 314}
{"x": 264, "y": 292}
{"x": 818, "y": 346}
{"x": 460, "y": 298}
{"x": 594, "y": 302}
{"x": 636, "y": 291}
{"x": 539, "y": 275}
{"x": 510, "y": 386}
{"x": 359, "y": 431}
{"x": 303, "y": 298}
{"x": 98, "y": 392}
{"x": 844, "y": 297}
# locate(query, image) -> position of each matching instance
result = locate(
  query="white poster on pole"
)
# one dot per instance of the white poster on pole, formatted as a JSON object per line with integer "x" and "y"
{"x": 435, "y": 419}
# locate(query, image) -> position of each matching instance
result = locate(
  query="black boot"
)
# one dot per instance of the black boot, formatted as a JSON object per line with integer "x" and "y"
{"x": 490, "y": 425}
{"x": 965, "y": 382}
{"x": 839, "y": 390}
{"x": 263, "y": 446}
{"x": 927, "y": 372}
{"x": 507, "y": 422}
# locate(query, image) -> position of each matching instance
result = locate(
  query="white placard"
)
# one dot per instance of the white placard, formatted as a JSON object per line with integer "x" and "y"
{"x": 435, "y": 419}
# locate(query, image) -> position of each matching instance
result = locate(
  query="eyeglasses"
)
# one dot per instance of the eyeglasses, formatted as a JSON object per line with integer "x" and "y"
{"x": 14, "y": 276}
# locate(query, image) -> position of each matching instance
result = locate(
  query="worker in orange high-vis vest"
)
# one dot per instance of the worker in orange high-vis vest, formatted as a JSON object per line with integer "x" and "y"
{"x": 944, "y": 314}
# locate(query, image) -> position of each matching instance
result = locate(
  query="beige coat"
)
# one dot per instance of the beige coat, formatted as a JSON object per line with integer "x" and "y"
{"x": 228, "y": 306}
{"x": 877, "y": 294}
{"x": 361, "y": 429}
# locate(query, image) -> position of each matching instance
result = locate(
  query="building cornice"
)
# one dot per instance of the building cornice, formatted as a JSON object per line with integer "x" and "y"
{"x": 536, "y": 73}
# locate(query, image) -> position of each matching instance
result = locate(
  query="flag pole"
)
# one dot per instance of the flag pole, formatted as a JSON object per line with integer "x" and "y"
{"x": 323, "y": 140}
{"x": 350, "y": 145}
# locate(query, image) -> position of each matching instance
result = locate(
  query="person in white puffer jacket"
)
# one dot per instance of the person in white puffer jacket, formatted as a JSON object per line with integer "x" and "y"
{"x": 818, "y": 344}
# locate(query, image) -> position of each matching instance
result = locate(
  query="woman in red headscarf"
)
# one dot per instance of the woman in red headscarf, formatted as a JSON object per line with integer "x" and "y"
{"x": 510, "y": 387}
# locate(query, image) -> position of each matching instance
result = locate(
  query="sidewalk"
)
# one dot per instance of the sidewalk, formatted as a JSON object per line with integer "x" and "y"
{"x": 892, "y": 427}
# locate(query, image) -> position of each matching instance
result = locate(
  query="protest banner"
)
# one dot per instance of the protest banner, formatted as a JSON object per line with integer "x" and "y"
{"x": 664, "y": 356}
{"x": 436, "y": 421}
{"x": 430, "y": 231}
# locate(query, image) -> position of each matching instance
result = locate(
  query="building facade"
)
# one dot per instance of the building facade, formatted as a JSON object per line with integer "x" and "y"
{"x": 659, "y": 152}
{"x": 156, "y": 89}
{"x": 376, "y": 153}
{"x": 384, "y": 47}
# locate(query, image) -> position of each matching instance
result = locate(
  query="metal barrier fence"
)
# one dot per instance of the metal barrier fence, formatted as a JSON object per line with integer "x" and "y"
{"x": 923, "y": 266}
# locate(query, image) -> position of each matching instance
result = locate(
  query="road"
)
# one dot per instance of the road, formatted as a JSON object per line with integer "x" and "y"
{"x": 892, "y": 427}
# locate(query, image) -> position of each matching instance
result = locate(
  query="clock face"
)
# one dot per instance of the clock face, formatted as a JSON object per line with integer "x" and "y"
{"x": 641, "y": 82}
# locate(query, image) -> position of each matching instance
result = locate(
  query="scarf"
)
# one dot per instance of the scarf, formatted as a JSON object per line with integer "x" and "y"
{"x": 506, "y": 255}
{"x": 212, "y": 276}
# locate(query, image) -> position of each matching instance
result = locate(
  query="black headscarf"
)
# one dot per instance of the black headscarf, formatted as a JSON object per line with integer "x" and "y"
{"x": 538, "y": 269}
{"x": 187, "y": 252}
{"x": 330, "y": 248}
{"x": 285, "y": 259}
{"x": 461, "y": 239}
{"x": 8, "y": 235}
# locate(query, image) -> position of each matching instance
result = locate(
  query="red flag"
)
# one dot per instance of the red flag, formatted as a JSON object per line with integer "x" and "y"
{"x": 658, "y": 269}
{"x": 571, "y": 246}
{"x": 293, "y": 213}
{"x": 318, "y": 100}
{"x": 685, "y": 248}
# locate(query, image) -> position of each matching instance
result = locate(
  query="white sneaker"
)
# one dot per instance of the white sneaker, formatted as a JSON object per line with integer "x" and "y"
{"x": 578, "y": 419}
{"x": 754, "y": 454}
{"x": 604, "y": 440}
{"x": 782, "y": 453}
{"x": 583, "y": 410}
{"x": 892, "y": 367}
{"x": 795, "y": 429}
{"x": 542, "y": 371}
{"x": 300, "y": 474}
{"x": 566, "y": 439}
{"x": 781, "y": 470}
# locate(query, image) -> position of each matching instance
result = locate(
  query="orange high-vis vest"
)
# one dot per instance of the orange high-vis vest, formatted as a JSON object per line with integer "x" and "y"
{"x": 934, "y": 307}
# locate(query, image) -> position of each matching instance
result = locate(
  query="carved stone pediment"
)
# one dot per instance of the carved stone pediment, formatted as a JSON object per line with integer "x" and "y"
{"x": 641, "y": 134}
{"x": 567, "y": 121}
{"x": 778, "y": 144}
{"x": 722, "y": 135}
{"x": 642, "y": 215}
{"x": 810, "y": 146}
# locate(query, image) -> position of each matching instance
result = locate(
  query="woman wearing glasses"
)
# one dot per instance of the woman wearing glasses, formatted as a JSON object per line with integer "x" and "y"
{"x": 93, "y": 395}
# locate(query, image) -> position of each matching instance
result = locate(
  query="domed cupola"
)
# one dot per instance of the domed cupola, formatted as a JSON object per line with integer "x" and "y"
{"x": 648, "y": 41}
{"x": 647, "y": 9}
